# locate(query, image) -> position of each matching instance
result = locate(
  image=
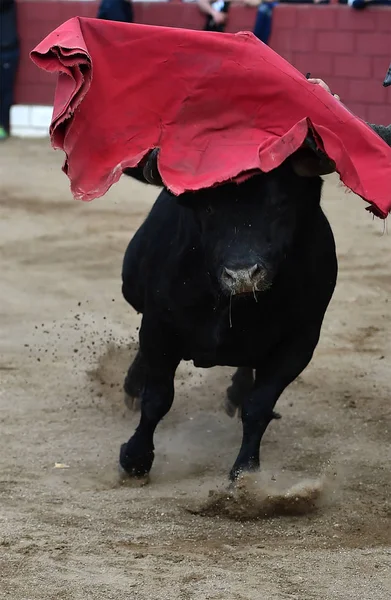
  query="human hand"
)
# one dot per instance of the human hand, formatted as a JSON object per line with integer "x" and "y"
{"x": 323, "y": 85}
{"x": 219, "y": 18}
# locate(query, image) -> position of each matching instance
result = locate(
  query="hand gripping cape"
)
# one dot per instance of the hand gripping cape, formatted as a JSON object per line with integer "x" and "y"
{"x": 219, "y": 107}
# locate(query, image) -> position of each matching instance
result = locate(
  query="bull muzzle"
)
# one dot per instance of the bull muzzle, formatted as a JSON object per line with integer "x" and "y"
{"x": 246, "y": 280}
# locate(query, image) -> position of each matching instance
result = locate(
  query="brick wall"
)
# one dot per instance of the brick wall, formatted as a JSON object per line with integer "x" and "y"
{"x": 350, "y": 49}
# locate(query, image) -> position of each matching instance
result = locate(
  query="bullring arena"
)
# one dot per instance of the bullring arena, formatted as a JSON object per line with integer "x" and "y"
{"x": 70, "y": 529}
{"x": 315, "y": 524}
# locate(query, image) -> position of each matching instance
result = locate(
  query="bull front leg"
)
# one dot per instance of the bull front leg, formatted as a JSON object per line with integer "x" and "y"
{"x": 286, "y": 363}
{"x": 160, "y": 362}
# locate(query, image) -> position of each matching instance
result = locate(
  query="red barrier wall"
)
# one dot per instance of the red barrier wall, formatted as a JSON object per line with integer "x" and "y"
{"x": 350, "y": 49}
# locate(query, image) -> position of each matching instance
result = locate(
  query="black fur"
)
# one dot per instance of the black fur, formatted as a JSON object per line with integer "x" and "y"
{"x": 173, "y": 273}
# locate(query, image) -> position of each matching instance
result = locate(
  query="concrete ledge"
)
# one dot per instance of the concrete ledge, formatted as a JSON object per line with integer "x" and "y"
{"x": 30, "y": 120}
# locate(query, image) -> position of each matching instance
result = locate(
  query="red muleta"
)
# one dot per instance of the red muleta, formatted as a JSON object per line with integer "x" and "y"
{"x": 218, "y": 106}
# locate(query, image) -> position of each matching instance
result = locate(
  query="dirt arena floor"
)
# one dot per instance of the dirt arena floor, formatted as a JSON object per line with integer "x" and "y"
{"x": 70, "y": 529}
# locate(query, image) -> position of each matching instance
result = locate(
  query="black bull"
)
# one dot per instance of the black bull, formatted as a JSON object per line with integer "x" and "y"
{"x": 240, "y": 275}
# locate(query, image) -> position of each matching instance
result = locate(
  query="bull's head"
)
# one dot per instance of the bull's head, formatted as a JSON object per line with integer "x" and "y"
{"x": 247, "y": 230}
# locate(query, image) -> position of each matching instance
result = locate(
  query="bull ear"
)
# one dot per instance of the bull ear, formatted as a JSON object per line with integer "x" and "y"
{"x": 310, "y": 161}
{"x": 306, "y": 163}
{"x": 151, "y": 171}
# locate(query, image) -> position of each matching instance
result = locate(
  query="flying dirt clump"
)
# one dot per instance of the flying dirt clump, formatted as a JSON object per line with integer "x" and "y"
{"x": 255, "y": 498}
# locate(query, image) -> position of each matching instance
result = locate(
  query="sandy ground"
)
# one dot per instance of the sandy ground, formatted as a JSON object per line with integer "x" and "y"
{"x": 70, "y": 530}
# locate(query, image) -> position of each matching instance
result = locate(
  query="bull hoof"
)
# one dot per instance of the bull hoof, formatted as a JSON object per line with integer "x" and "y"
{"x": 239, "y": 470}
{"x": 234, "y": 475}
{"x": 135, "y": 460}
{"x": 132, "y": 402}
{"x": 127, "y": 480}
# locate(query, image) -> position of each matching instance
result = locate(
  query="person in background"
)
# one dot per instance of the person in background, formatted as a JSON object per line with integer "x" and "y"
{"x": 9, "y": 60}
{"x": 116, "y": 10}
{"x": 384, "y": 131}
{"x": 216, "y": 12}
{"x": 263, "y": 21}
{"x": 360, "y": 4}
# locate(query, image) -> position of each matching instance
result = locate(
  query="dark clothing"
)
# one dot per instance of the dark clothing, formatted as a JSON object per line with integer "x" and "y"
{"x": 384, "y": 131}
{"x": 116, "y": 10}
{"x": 263, "y": 22}
{"x": 387, "y": 79}
{"x": 360, "y": 4}
{"x": 8, "y": 28}
{"x": 8, "y": 69}
{"x": 218, "y": 6}
{"x": 9, "y": 59}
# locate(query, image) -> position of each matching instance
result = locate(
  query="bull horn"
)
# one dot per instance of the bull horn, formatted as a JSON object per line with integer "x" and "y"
{"x": 151, "y": 171}
{"x": 387, "y": 79}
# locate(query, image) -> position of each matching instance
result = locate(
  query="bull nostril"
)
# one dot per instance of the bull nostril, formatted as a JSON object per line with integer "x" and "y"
{"x": 228, "y": 273}
{"x": 254, "y": 271}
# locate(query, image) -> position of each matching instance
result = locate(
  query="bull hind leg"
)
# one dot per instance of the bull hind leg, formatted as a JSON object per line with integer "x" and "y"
{"x": 239, "y": 391}
{"x": 134, "y": 383}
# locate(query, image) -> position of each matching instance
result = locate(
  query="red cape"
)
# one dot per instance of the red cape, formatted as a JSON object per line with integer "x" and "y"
{"x": 217, "y": 105}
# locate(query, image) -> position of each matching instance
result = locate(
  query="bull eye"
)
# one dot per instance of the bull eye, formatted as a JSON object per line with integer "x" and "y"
{"x": 209, "y": 210}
